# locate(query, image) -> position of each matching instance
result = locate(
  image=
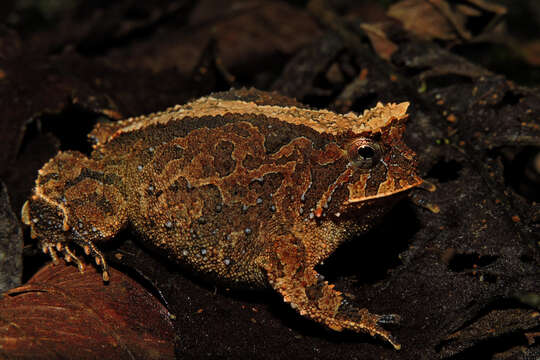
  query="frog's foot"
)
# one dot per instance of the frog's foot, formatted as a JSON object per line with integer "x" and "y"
{"x": 69, "y": 256}
{"x": 302, "y": 287}
{"x": 351, "y": 317}
{"x": 53, "y": 250}
{"x": 89, "y": 249}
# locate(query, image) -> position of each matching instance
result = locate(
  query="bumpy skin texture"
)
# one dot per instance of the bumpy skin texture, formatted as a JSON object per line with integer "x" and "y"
{"x": 247, "y": 186}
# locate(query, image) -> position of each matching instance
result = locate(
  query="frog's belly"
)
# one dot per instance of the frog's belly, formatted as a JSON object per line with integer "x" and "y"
{"x": 232, "y": 258}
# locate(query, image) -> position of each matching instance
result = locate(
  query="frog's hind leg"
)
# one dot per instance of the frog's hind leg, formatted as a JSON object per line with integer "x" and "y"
{"x": 307, "y": 292}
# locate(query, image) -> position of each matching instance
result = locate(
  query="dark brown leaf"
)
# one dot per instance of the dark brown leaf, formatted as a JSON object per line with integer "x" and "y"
{"x": 445, "y": 20}
{"x": 61, "y": 313}
{"x": 422, "y": 18}
{"x": 379, "y": 40}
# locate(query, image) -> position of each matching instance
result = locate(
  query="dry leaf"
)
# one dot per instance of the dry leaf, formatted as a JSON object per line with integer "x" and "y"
{"x": 422, "y": 18}
{"x": 383, "y": 46}
{"x": 444, "y": 20}
{"x": 61, "y": 313}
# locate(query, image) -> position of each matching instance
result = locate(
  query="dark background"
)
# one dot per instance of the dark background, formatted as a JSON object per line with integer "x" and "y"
{"x": 464, "y": 280}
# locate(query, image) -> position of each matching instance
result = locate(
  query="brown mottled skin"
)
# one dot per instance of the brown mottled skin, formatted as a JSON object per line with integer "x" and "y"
{"x": 248, "y": 186}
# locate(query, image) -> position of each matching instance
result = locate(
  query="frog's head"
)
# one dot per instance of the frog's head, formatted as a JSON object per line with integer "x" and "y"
{"x": 380, "y": 165}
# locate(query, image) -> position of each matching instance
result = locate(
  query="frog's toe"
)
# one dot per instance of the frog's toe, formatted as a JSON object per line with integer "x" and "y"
{"x": 351, "y": 317}
{"x": 388, "y": 319}
{"x": 91, "y": 250}
{"x": 69, "y": 256}
{"x": 51, "y": 250}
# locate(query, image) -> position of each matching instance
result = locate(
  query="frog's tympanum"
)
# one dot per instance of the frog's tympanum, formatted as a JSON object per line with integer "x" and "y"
{"x": 250, "y": 187}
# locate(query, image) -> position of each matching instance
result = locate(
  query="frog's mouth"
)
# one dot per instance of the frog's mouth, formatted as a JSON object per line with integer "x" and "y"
{"x": 365, "y": 189}
{"x": 358, "y": 191}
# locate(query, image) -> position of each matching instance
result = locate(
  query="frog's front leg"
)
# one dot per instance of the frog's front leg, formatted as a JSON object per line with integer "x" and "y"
{"x": 76, "y": 200}
{"x": 307, "y": 292}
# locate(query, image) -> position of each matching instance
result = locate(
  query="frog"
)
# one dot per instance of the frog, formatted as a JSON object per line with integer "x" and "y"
{"x": 247, "y": 187}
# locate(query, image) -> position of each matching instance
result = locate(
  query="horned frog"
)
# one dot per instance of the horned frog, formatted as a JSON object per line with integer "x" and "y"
{"x": 249, "y": 187}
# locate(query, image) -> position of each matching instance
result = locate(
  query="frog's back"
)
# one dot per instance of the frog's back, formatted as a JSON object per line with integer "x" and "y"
{"x": 208, "y": 190}
{"x": 193, "y": 196}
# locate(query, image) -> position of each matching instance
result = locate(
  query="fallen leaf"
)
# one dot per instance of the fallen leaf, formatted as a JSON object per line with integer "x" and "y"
{"x": 383, "y": 46}
{"x": 423, "y": 19}
{"x": 444, "y": 20}
{"x": 61, "y": 313}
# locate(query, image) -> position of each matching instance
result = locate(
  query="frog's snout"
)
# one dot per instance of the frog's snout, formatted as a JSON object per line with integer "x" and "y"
{"x": 46, "y": 220}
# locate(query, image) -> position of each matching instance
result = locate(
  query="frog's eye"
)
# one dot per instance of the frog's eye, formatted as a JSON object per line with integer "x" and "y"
{"x": 364, "y": 153}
